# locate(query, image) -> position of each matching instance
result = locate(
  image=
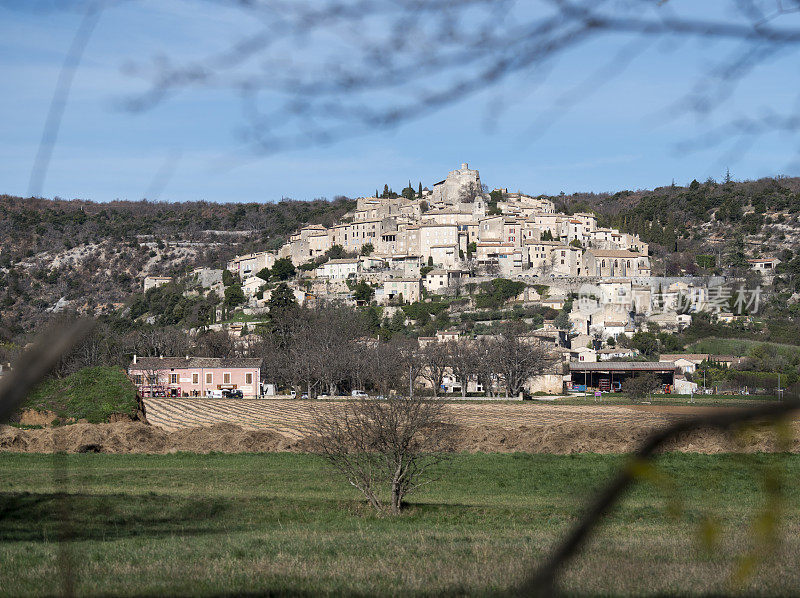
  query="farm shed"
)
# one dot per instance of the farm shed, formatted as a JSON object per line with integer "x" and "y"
{"x": 608, "y": 375}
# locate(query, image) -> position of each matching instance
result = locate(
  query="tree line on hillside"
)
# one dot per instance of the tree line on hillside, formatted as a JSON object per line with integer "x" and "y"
{"x": 51, "y": 249}
{"x": 667, "y": 215}
{"x": 32, "y": 225}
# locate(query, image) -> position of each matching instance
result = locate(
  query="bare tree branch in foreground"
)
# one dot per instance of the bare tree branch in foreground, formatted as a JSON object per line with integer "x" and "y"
{"x": 312, "y": 73}
{"x": 383, "y": 448}
{"x": 542, "y": 582}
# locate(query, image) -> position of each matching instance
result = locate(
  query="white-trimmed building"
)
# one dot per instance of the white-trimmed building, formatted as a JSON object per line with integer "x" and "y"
{"x": 341, "y": 269}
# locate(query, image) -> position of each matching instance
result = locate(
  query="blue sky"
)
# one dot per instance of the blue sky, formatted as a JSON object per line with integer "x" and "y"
{"x": 615, "y": 137}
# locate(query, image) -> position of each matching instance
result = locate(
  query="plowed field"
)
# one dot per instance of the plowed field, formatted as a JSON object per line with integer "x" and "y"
{"x": 293, "y": 417}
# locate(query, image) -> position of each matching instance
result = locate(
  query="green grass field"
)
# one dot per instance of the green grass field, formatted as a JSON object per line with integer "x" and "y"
{"x": 228, "y": 524}
{"x": 738, "y": 347}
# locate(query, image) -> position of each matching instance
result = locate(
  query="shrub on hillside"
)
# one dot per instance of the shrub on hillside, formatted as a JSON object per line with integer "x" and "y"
{"x": 93, "y": 394}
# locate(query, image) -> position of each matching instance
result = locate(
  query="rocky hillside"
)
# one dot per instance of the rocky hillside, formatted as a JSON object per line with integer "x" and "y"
{"x": 91, "y": 257}
{"x": 731, "y": 221}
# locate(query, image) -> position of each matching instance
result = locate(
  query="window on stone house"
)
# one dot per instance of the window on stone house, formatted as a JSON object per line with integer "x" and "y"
{"x": 173, "y": 378}
{"x": 226, "y": 378}
{"x": 248, "y": 378}
{"x": 209, "y": 378}
{"x": 195, "y": 378}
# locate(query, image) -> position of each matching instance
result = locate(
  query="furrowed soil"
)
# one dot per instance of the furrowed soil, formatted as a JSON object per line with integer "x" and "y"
{"x": 235, "y": 426}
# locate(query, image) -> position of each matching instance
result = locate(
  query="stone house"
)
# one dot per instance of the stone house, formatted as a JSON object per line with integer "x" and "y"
{"x": 340, "y": 269}
{"x": 615, "y": 263}
{"x": 444, "y": 256}
{"x": 567, "y": 261}
{"x": 436, "y": 280}
{"x": 490, "y": 229}
{"x": 539, "y": 256}
{"x": 393, "y": 289}
{"x": 251, "y": 264}
{"x": 436, "y": 235}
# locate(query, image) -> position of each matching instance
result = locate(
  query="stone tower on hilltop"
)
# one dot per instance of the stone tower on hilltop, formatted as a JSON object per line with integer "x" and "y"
{"x": 461, "y": 185}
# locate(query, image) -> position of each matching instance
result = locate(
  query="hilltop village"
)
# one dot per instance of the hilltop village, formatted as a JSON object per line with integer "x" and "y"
{"x": 398, "y": 249}
{"x": 582, "y": 289}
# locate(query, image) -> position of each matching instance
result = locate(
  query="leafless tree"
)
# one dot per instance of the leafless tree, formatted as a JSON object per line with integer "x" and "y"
{"x": 463, "y": 359}
{"x": 457, "y": 285}
{"x": 491, "y": 268}
{"x": 408, "y": 360}
{"x": 383, "y": 367}
{"x": 520, "y": 357}
{"x": 275, "y": 367}
{"x": 316, "y": 349}
{"x": 486, "y": 364}
{"x": 434, "y": 358}
{"x": 386, "y": 449}
{"x": 213, "y": 343}
{"x": 153, "y": 342}
{"x": 303, "y": 361}
{"x": 469, "y": 192}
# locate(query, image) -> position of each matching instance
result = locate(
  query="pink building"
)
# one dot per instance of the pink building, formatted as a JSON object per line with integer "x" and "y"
{"x": 195, "y": 376}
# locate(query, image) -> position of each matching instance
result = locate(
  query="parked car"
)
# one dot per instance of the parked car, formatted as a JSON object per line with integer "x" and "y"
{"x": 305, "y": 396}
{"x": 359, "y": 393}
{"x": 293, "y": 394}
{"x": 232, "y": 393}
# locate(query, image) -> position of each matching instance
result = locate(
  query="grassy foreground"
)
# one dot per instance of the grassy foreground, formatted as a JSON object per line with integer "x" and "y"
{"x": 210, "y": 524}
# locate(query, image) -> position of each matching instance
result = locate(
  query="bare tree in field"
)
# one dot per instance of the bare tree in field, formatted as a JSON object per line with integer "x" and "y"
{"x": 434, "y": 360}
{"x": 330, "y": 344}
{"x": 486, "y": 364}
{"x": 464, "y": 362}
{"x": 382, "y": 367}
{"x": 385, "y": 449}
{"x": 520, "y": 357}
{"x": 408, "y": 359}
